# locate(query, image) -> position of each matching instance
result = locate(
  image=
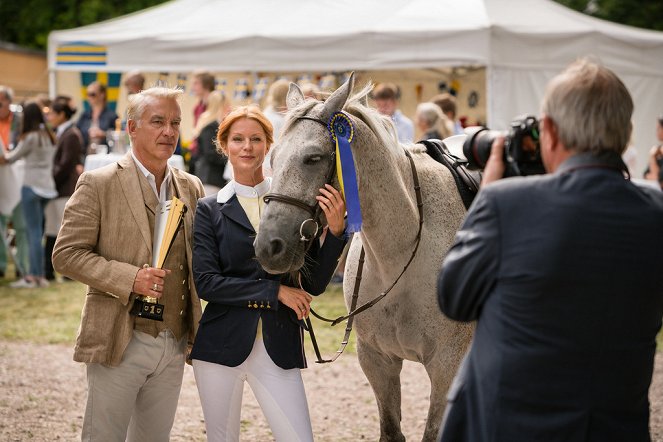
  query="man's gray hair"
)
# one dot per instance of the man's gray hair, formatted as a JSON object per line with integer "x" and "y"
{"x": 591, "y": 108}
{"x": 7, "y": 92}
{"x": 138, "y": 102}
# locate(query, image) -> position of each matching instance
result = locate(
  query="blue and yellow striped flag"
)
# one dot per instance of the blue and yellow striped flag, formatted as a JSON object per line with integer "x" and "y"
{"x": 81, "y": 53}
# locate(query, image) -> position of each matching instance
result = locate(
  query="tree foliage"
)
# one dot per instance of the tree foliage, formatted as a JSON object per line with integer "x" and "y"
{"x": 28, "y": 22}
{"x": 646, "y": 14}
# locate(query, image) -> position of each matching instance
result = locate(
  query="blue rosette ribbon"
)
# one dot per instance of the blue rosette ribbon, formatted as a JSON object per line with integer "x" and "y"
{"x": 342, "y": 131}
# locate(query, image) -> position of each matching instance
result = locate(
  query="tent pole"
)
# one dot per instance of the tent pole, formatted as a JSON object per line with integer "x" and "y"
{"x": 52, "y": 84}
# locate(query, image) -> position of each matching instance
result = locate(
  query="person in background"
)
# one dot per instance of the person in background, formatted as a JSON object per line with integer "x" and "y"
{"x": 386, "y": 96}
{"x": 67, "y": 167}
{"x": 275, "y": 109}
{"x": 95, "y": 121}
{"x": 251, "y": 330}
{"x": 311, "y": 90}
{"x": 447, "y": 103}
{"x": 211, "y": 164}
{"x": 630, "y": 156}
{"x": 203, "y": 85}
{"x": 37, "y": 146}
{"x": 134, "y": 81}
{"x": 562, "y": 273}
{"x": 275, "y": 105}
{"x": 431, "y": 122}
{"x": 134, "y": 364}
{"x": 10, "y": 131}
{"x": 655, "y": 161}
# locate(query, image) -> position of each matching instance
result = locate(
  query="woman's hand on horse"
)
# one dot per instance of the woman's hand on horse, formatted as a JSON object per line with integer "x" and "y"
{"x": 296, "y": 299}
{"x": 332, "y": 204}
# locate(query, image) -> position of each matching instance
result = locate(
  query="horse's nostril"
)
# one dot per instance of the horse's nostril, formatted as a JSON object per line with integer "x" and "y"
{"x": 276, "y": 246}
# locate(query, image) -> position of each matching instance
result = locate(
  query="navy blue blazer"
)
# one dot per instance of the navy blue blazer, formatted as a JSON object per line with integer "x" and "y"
{"x": 239, "y": 292}
{"x": 563, "y": 274}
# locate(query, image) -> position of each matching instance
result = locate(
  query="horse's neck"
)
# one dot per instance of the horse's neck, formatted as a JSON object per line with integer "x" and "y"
{"x": 388, "y": 204}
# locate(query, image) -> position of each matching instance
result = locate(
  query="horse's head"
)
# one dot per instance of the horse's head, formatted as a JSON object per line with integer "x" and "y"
{"x": 302, "y": 162}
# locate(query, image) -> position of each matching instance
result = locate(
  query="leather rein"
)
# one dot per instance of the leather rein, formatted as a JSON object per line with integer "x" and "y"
{"x": 311, "y": 227}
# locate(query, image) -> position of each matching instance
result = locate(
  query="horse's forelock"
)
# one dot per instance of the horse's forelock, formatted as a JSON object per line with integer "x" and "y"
{"x": 297, "y": 112}
{"x": 382, "y": 126}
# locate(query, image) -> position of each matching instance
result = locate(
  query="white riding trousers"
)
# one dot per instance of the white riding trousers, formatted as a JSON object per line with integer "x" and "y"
{"x": 279, "y": 392}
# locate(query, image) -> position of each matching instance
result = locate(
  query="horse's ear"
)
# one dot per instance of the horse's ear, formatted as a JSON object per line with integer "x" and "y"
{"x": 339, "y": 97}
{"x": 295, "y": 96}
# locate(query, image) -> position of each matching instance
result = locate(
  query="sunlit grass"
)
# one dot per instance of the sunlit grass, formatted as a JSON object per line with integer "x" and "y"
{"x": 49, "y": 315}
{"x": 52, "y": 315}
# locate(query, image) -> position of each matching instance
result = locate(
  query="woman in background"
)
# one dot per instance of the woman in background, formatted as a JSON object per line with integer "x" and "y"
{"x": 210, "y": 164}
{"x": 251, "y": 329}
{"x": 37, "y": 145}
{"x": 432, "y": 123}
{"x": 67, "y": 167}
{"x": 96, "y": 120}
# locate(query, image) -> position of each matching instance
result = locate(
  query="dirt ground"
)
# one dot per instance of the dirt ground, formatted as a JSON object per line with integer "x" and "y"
{"x": 42, "y": 397}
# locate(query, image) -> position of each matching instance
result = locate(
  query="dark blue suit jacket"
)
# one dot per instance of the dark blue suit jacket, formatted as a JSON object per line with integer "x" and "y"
{"x": 240, "y": 292}
{"x": 564, "y": 274}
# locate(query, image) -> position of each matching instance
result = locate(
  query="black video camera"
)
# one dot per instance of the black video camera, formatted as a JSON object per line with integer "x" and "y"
{"x": 522, "y": 153}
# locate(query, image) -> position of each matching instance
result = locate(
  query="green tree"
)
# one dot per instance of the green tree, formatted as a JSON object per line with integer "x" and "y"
{"x": 646, "y": 14}
{"x": 28, "y": 22}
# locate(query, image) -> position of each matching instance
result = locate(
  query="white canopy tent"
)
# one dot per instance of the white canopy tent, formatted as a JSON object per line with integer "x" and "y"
{"x": 522, "y": 44}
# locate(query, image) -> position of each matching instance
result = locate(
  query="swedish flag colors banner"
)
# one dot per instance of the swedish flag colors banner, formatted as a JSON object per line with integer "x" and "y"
{"x": 81, "y": 53}
{"x": 110, "y": 79}
{"x": 259, "y": 88}
{"x": 241, "y": 89}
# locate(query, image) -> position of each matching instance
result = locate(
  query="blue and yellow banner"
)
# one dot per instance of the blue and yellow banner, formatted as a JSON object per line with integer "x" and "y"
{"x": 81, "y": 53}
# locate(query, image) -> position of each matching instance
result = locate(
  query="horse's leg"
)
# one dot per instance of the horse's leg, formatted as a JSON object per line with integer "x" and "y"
{"x": 441, "y": 367}
{"x": 383, "y": 374}
{"x": 440, "y": 375}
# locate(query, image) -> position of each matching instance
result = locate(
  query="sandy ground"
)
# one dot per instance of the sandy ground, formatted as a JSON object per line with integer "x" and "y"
{"x": 42, "y": 396}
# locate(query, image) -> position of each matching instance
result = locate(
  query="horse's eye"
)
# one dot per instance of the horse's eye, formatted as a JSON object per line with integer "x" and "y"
{"x": 312, "y": 159}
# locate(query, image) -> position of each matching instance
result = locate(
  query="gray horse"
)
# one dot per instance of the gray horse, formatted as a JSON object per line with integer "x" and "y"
{"x": 407, "y": 323}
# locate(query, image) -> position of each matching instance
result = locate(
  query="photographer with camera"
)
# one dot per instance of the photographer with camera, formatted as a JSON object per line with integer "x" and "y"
{"x": 563, "y": 274}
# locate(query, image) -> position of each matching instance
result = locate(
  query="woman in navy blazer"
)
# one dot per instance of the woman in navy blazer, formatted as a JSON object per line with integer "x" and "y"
{"x": 251, "y": 328}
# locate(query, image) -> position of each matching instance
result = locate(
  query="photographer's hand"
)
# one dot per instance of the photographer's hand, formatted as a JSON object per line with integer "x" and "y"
{"x": 495, "y": 167}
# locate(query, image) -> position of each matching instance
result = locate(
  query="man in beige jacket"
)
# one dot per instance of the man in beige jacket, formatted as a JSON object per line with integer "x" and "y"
{"x": 134, "y": 365}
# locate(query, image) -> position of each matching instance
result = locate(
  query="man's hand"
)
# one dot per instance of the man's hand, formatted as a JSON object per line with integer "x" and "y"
{"x": 495, "y": 166}
{"x": 149, "y": 281}
{"x": 296, "y": 299}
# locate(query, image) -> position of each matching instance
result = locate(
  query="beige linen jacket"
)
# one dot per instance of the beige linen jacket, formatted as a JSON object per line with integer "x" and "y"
{"x": 104, "y": 240}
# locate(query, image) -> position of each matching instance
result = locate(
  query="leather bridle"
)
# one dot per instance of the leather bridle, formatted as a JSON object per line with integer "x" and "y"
{"x": 310, "y": 227}
{"x": 309, "y": 230}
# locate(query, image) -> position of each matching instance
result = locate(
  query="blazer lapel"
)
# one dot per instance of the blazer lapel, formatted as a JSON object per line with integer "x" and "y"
{"x": 233, "y": 210}
{"x": 127, "y": 174}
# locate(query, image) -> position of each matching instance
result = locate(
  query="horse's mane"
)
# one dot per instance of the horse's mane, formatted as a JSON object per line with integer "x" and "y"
{"x": 382, "y": 126}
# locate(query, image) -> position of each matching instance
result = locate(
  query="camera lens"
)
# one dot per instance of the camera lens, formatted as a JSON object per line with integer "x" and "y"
{"x": 477, "y": 146}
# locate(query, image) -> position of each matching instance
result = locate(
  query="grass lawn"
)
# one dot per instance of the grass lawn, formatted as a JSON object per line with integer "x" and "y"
{"x": 52, "y": 316}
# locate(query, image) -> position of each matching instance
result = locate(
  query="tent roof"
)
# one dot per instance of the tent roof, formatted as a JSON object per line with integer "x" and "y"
{"x": 323, "y": 35}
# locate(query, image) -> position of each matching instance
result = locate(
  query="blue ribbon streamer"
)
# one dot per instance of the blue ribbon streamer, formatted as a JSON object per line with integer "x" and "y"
{"x": 342, "y": 132}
